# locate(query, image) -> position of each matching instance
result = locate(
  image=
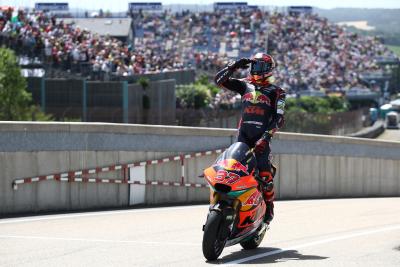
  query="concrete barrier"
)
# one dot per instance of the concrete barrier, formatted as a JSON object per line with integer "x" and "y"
{"x": 309, "y": 166}
{"x": 371, "y": 132}
{"x": 312, "y": 166}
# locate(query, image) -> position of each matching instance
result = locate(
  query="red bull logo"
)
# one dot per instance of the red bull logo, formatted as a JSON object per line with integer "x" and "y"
{"x": 256, "y": 97}
{"x": 233, "y": 165}
{"x": 248, "y": 97}
{"x": 263, "y": 99}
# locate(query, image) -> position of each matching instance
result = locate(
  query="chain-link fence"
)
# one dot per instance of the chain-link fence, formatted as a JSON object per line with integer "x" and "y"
{"x": 98, "y": 101}
{"x": 342, "y": 123}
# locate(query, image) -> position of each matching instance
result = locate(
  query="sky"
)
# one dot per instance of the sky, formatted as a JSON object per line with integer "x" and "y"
{"x": 122, "y": 5}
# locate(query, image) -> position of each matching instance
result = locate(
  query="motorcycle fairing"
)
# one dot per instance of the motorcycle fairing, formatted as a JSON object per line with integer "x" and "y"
{"x": 232, "y": 177}
{"x": 215, "y": 176}
{"x": 239, "y": 152}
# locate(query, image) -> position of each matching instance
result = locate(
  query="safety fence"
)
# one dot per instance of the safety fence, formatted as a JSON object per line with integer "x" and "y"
{"x": 82, "y": 100}
{"x": 342, "y": 123}
{"x": 215, "y": 118}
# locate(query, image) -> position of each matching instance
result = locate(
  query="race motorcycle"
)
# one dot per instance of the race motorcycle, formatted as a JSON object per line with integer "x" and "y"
{"x": 237, "y": 207}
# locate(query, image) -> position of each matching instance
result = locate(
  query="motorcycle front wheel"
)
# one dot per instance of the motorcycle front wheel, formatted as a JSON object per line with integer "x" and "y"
{"x": 212, "y": 245}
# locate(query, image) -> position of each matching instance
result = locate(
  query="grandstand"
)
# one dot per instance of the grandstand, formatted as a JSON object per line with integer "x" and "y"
{"x": 118, "y": 28}
{"x": 312, "y": 53}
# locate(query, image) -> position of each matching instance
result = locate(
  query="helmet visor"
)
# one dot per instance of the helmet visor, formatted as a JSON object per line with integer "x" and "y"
{"x": 260, "y": 67}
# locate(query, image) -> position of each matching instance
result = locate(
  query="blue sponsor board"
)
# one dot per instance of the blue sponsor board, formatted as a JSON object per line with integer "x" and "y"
{"x": 52, "y": 6}
{"x": 157, "y": 6}
{"x": 229, "y": 5}
{"x": 300, "y": 9}
{"x": 252, "y": 7}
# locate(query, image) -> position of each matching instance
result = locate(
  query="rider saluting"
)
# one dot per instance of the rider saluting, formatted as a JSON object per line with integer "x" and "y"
{"x": 262, "y": 113}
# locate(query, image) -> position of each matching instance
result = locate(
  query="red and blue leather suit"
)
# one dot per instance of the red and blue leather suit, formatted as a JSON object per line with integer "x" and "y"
{"x": 262, "y": 115}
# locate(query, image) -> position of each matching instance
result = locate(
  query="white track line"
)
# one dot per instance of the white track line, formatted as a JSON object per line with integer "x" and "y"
{"x": 314, "y": 243}
{"x": 99, "y": 213}
{"x": 103, "y": 213}
{"x": 100, "y": 240}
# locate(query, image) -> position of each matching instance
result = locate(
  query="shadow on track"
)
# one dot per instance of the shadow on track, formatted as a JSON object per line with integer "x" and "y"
{"x": 284, "y": 256}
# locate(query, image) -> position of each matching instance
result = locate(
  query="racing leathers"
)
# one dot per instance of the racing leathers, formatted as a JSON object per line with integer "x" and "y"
{"x": 261, "y": 116}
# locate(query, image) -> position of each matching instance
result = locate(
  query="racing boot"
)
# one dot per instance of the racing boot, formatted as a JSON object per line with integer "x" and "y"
{"x": 269, "y": 195}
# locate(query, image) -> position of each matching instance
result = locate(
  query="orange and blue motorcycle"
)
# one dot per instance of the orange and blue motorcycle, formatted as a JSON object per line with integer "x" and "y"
{"x": 237, "y": 207}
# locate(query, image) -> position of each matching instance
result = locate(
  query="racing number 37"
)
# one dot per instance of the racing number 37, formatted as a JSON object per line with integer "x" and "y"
{"x": 229, "y": 176}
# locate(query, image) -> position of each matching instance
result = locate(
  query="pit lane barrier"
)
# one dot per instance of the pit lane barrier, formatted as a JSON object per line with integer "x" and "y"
{"x": 80, "y": 176}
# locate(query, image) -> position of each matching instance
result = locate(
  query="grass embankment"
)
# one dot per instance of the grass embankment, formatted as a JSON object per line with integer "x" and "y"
{"x": 395, "y": 48}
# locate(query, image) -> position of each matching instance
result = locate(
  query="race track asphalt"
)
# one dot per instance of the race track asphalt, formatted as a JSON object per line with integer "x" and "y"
{"x": 343, "y": 232}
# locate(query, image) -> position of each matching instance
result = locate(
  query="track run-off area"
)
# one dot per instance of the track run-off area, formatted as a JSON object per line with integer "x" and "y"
{"x": 335, "y": 232}
{"x": 390, "y": 135}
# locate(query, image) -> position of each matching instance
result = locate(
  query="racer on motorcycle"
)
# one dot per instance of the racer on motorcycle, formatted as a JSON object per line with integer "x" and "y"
{"x": 262, "y": 114}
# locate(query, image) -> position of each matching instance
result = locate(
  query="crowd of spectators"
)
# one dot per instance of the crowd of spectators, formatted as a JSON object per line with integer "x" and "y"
{"x": 311, "y": 52}
{"x": 67, "y": 46}
{"x": 315, "y": 54}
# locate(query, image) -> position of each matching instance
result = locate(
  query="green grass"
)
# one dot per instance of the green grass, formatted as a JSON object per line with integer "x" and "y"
{"x": 395, "y": 49}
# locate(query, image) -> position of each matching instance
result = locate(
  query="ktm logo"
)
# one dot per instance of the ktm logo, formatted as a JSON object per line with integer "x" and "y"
{"x": 254, "y": 110}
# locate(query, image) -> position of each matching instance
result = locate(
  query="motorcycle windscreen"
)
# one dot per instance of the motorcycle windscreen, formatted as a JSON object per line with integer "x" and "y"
{"x": 241, "y": 153}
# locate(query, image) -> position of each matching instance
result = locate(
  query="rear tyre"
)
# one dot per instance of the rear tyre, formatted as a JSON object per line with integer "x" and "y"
{"x": 255, "y": 240}
{"x": 212, "y": 245}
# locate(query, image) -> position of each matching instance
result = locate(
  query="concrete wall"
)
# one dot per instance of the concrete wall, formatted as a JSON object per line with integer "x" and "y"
{"x": 332, "y": 167}
{"x": 309, "y": 166}
{"x": 371, "y": 132}
{"x": 32, "y": 149}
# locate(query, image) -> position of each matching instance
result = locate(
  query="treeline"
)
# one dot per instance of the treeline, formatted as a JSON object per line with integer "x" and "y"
{"x": 15, "y": 101}
{"x": 320, "y": 105}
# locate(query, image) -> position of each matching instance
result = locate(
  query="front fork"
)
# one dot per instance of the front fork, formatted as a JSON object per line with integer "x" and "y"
{"x": 229, "y": 210}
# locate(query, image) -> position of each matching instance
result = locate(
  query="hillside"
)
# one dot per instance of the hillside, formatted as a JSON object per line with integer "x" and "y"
{"x": 385, "y": 21}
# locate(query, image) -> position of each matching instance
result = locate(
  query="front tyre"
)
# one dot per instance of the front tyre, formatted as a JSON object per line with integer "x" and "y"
{"x": 212, "y": 245}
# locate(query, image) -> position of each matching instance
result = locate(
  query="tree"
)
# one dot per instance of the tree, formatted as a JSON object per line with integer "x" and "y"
{"x": 15, "y": 101}
{"x": 145, "y": 83}
{"x": 310, "y": 114}
{"x": 204, "y": 80}
{"x": 193, "y": 95}
{"x": 317, "y": 105}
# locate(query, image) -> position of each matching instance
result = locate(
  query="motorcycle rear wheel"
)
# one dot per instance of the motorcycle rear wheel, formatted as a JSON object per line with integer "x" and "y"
{"x": 255, "y": 240}
{"x": 212, "y": 245}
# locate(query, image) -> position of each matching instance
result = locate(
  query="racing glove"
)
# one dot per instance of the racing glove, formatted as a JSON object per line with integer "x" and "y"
{"x": 242, "y": 63}
{"x": 263, "y": 143}
{"x": 276, "y": 124}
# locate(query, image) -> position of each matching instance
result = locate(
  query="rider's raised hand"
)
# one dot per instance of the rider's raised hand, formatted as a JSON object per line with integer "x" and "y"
{"x": 242, "y": 63}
